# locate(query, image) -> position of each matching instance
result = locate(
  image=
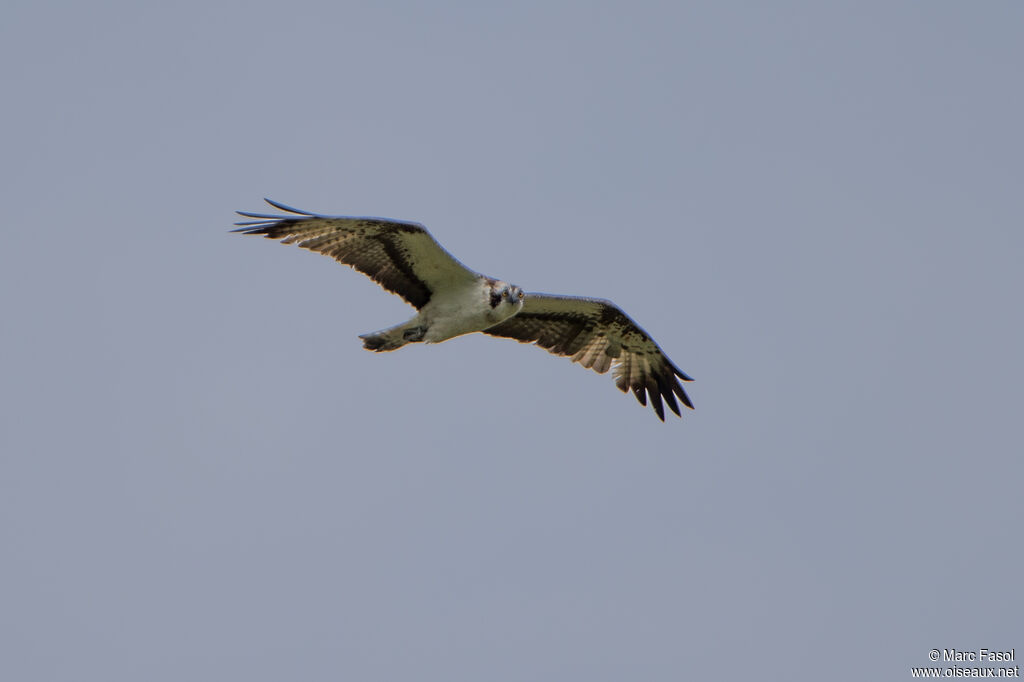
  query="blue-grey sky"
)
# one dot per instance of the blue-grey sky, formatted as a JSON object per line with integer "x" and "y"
{"x": 815, "y": 208}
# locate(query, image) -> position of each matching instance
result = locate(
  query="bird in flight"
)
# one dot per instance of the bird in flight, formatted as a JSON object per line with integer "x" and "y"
{"x": 453, "y": 300}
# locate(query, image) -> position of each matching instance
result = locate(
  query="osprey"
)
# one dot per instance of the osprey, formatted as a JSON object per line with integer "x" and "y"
{"x": 452, "y": 300}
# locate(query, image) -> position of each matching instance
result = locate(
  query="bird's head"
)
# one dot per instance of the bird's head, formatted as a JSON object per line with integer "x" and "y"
{"x": 506, "y": 299}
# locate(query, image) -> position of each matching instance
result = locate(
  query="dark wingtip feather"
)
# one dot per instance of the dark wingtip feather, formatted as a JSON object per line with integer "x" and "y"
{"x": 682, "y": 395}
{"x": 654, "y": 392}
{"x": 659, "y": 409}
{"x": 286, "y": 208}
{"x": 678, "y": 372}
{"x": 264, "y": 222}
{"x": 676, "y": 388}
{"x": 264, "y": 228}
{"x": 666, "y": 392}
{"x": 261, "y": 216}
{"x": 249, "y": 228}
{"x": 252, "y": 226}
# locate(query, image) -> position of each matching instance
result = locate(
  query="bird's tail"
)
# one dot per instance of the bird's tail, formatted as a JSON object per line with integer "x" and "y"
{"x": 393, "y": 338}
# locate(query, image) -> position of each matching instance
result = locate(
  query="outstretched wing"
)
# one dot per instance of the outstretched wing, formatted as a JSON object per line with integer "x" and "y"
{"x": 598, "y": 335}
{"x": 400, "y": 256}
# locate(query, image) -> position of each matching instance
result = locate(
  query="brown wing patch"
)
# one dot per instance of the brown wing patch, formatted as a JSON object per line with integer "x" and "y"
{"x": 377, "y": 247}
{"x": 598, "y": 335}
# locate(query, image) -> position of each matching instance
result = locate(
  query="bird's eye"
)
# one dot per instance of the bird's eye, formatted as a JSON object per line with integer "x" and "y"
{"x": 520, "y": 294}
{"x": 504, "y": 293}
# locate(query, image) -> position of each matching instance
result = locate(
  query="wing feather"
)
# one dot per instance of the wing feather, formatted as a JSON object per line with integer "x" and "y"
{"x": 599, "y": 336}
{"x": 400, "y": 256}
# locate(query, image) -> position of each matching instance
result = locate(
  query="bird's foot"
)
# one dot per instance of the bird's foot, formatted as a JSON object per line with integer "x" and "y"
{"x": 414, "y": 334}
